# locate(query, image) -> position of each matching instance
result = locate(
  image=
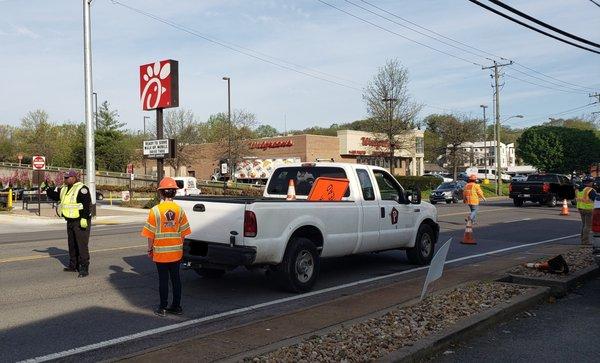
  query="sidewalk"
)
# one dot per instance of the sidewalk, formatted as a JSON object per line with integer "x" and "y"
{"x": 270, "y": 331}
{"x": 106, "y": 214}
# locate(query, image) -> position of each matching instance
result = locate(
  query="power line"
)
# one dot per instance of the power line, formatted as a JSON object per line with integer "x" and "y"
{"x": 543, "y": 86}
{"x": 466, "y": 45}
{"x": 244, "y": 51}
{"x": 571, "y": 90}
{"x": 398, "y": 34}
{"x": 532, "y": 27}
{"x": 595, "y": 3}
{"x": 545, "y": 25}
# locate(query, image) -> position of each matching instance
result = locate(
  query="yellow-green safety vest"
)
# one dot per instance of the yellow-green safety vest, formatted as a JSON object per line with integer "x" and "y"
{"x": 69, "y": 208}
{"x": 583, "y": 199}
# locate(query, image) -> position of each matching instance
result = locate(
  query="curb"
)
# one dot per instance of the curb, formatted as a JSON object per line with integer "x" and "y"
{"x": 466, "y": 328}
{"x": 558, "y": 288}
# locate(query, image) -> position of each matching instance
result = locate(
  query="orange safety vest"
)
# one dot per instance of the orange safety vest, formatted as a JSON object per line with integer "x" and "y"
{"x": 167, "y": 225}
{"x": 472, "y": 193}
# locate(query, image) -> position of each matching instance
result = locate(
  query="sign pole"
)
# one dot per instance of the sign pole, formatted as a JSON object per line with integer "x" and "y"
{"x": 159, "y": 135}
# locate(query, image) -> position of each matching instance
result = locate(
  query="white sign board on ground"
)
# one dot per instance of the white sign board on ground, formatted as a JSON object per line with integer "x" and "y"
{"x": 153, "y": 148}
{"x": 38, "y": 162}
{"x": 436, "y": 268}
{"x": 125, "y": 196}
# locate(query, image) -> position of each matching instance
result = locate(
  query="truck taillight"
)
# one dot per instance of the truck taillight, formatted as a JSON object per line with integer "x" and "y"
{"x": 250, "y": 228}
{"x": 510, "y": 188}
{"x": 546, "y": 187}
{"x": 596, "y": 221}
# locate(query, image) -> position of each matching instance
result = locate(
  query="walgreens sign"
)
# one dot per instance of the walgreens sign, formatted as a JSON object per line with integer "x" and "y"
{"x": 159, "y": 84}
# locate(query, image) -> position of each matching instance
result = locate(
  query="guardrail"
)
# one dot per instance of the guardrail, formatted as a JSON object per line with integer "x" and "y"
{"x": 82, "y": 171}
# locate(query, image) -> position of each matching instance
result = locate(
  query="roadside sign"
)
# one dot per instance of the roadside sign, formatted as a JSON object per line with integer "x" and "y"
{"x": 224, "y": 168}
{"x": 156, "y": 148}
{"x": 436, "y": 267}
{"x": 38, "y": 162}
{"x": 130, "y": 168}
{"x": 125, "y": 196}
{"x": 132, "y": 176}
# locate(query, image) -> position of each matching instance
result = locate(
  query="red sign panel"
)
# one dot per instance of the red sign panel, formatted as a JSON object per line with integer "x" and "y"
{"x": 38, "y": 162}
{"x": 264, "y": 145}
{"x": 129, "y": 168}
{"x": 159, "y": 84}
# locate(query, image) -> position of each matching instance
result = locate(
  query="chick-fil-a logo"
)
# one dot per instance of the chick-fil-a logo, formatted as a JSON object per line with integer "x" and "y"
{"x": 159, "y": 85}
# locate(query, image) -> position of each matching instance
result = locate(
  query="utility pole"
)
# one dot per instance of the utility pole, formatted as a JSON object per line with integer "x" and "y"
{"x": 90, "y": 157}
{"x": 484, "y": 140}
{"x": 160, "y": 162}
{"x": 497, "y": 125}
{"x": 229, "y": 164}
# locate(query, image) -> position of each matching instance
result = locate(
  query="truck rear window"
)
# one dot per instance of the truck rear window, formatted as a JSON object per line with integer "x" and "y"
{"x": 543, "y": 178}
{"x": 303, "y": 177}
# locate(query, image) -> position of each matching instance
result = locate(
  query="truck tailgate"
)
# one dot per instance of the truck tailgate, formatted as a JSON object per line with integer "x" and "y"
{"x": 213, "y": 221}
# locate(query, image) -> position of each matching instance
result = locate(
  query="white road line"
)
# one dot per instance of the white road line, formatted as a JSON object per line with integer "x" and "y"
{"x": 172, "y": 327}
{"x": 518, "y": 220}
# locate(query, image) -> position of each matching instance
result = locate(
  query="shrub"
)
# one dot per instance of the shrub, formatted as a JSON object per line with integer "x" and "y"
{"x": 423, "y": 182}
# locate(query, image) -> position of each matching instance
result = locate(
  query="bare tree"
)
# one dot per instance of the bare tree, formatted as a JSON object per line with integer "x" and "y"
{"x": 390, "y": 107}
{"x": 182, "y": 126}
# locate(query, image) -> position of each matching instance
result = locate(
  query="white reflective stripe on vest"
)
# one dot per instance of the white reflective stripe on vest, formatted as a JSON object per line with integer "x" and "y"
{"x": 164, "y": 249}
{"x": 69, "y": 208}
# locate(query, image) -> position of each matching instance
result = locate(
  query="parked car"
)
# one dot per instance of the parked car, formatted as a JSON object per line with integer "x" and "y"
{"x": 187, "y": 186}
{"x": 542, "y": 188}
{"x": 518, "y": 178}
{"x": 449, "y": 192}
{"x": 290, "y": 237}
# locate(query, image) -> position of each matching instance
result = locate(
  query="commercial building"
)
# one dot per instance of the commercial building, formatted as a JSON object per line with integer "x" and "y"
{"x": 203, "y": 161}
{"x": 475, "y": 153}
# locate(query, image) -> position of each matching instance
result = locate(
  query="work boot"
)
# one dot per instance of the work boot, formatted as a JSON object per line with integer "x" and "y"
{"x": 83, "y": 271}
{"x": 175, "y": 310}
{"x": 160, "y": 312}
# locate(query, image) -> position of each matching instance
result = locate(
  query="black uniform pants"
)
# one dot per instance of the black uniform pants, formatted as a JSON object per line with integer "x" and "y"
{"x": 78, "y": 239}
{"x": 166, "y": 270}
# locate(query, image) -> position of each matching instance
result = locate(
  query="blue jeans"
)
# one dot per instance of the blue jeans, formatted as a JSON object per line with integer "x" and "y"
{"x": 473, "y": 214}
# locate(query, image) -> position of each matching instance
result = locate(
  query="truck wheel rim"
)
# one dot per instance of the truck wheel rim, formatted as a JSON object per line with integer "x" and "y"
{"x": 425, "y": 245}
{"x": 304, "y": 266}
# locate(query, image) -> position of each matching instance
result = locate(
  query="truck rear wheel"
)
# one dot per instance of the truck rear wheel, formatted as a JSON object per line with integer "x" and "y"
{"x": 518, "y": 202}
{"x": 300, "y": 266}
{"x": 422, "y": 252}
{"x": 552, "y": 201}
{"x": 211, "y": 273}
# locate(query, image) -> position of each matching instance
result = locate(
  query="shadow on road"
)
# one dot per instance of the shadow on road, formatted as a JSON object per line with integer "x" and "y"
{"x": 58, "y": 253}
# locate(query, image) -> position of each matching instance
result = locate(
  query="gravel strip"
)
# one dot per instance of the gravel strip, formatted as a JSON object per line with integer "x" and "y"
{"x": 375, "y": 338}
{"x": 577, "y": 258}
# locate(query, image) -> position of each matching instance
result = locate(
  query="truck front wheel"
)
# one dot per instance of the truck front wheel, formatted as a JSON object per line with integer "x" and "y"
{"x": 422, "y": 252}
{"x": 300, "y": 266}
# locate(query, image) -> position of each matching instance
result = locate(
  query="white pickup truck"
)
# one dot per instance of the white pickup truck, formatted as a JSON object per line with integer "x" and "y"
{"x": 291, "y": 237}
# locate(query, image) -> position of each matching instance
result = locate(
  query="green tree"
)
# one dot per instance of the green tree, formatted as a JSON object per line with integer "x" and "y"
{"x": 390, "y": 106}
{"x": 37, "y": 136}
{"x": 108, "y": 119}
{"x": 181, "y": 125}
{"x": 7, "y": 146}
{"x": 559, "y": 149}
{"x": 266, "y": 131}
{"x": 111, "y": 153}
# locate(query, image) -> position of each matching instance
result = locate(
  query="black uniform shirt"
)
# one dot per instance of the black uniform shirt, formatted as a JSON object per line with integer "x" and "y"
{"x": 83, "y": 197}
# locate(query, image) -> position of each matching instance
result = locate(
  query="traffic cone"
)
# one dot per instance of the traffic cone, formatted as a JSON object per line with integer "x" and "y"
{"x": 291, "y": 194}
{"x": 468, "y": 237}
{"x": 565, "y": 208}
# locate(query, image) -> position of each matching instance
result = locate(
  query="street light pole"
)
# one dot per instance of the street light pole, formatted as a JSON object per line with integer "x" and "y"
{"x": 484, "y": 140}
{"x": 96, "y": 109}
{"x": 498, "y": 156}
{"x": 89, "y": 134}
{"x": 229, "y": 127}
{"x": 143, "y": 158}
{"x": 145, "y": 117}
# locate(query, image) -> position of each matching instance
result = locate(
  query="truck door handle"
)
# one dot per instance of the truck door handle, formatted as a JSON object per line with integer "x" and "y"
{"x": 382, "y": 212}
{"x": 199, "y": 208}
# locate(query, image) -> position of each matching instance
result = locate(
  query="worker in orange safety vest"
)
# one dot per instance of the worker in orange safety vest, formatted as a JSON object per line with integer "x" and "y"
{"x": 471, "y": 196}
{"x": 165, "y": 229}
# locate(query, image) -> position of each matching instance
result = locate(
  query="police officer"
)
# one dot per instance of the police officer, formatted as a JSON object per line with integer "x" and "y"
{"x": 74, "y": 207}
{"x": 585, "y": 205}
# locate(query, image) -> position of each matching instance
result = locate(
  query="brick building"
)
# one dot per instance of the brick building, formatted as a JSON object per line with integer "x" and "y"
{"x": 348, "y": 146}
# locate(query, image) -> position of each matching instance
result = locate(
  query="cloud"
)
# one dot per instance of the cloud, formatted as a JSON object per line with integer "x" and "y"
{"x": 24, "y": 31}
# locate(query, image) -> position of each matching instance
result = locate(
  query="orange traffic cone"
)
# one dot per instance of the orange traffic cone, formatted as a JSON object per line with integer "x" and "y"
{"x": 565, "y": 208}
{"x": 291, "y": 194}
{"x": 468, "y": 237}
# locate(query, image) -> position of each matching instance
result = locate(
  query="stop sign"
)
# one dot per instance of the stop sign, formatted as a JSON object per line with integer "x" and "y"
{"x": 38, "y": 162}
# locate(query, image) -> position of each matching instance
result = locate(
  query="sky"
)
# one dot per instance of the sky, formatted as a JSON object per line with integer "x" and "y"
{"x": 41, "y": 57}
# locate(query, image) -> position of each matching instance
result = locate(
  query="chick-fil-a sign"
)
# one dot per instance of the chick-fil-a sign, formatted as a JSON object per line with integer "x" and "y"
{"x": 159, "y": 84}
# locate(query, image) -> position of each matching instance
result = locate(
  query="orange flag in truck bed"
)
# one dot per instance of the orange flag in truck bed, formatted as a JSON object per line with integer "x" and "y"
{"x": 328, "y": 189}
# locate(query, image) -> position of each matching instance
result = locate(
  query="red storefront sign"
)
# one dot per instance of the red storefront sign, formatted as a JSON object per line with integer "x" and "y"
{"x": 264, "y": 145}
{"x": 159, "y": 84}
{"x": 367, "y": 141}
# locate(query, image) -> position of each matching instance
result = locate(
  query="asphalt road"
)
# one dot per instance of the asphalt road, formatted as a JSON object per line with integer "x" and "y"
{"x": 565, "y": 331}
{"x": 46, "y": 310}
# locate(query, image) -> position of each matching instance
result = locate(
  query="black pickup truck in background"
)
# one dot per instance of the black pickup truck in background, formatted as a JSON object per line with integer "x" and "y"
{"x": 546, "y": 189}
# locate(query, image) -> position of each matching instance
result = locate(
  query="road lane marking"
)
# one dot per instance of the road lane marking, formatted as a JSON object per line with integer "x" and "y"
{"x": 518, "y": 220}
{"x": 37, "y": 257}
{"x": 184, "y": 324}
{"x": 467, "y": 212}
